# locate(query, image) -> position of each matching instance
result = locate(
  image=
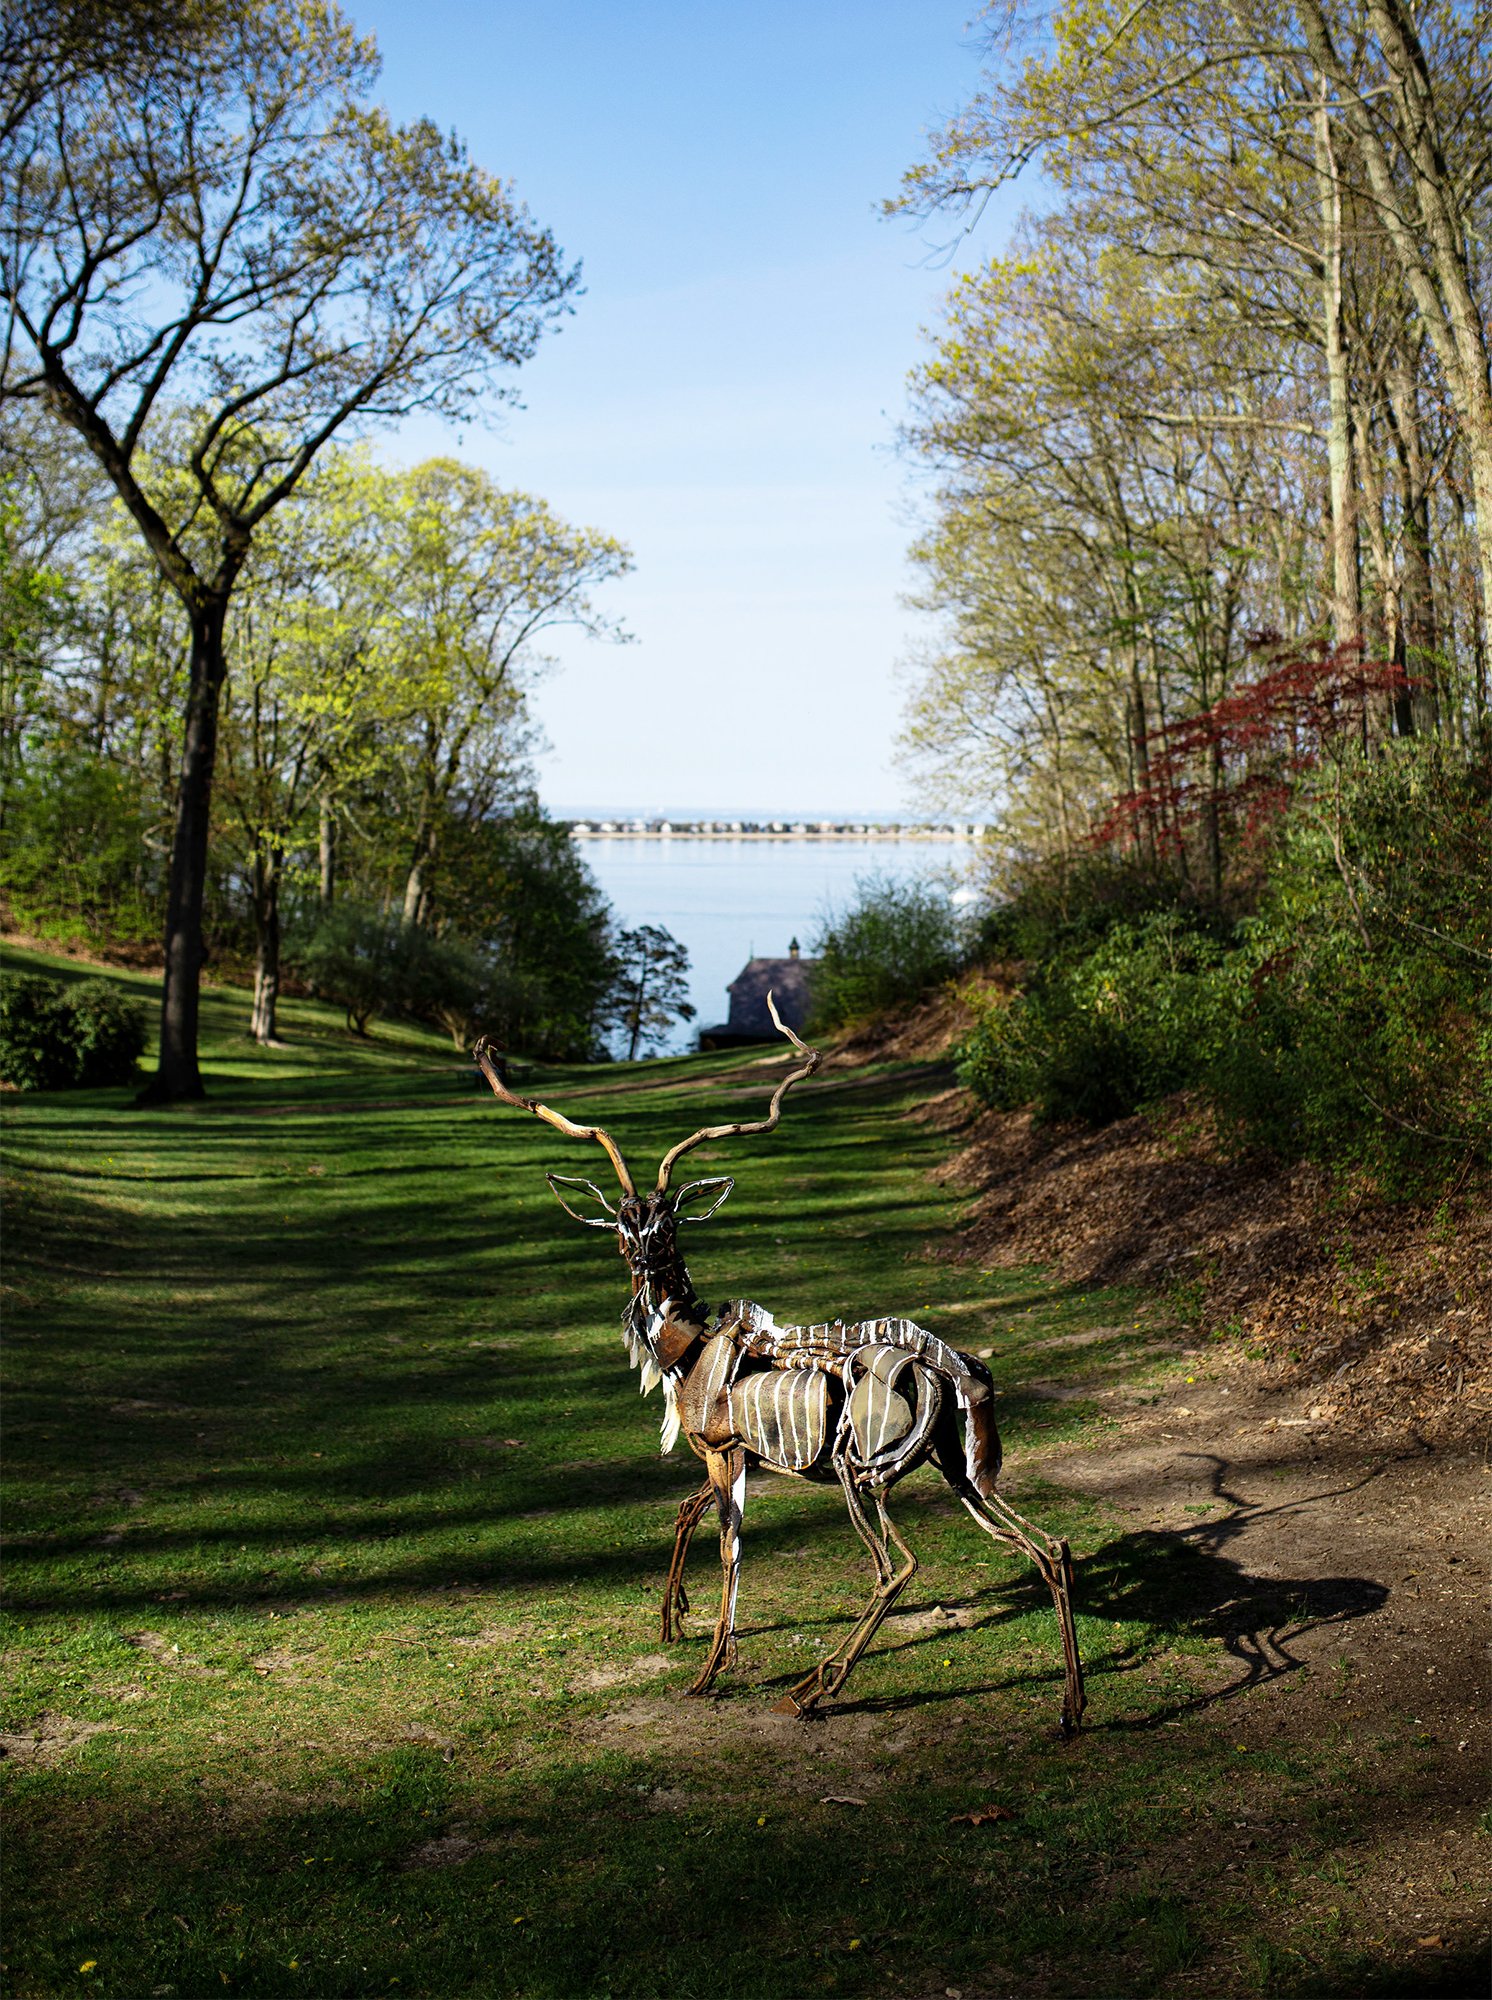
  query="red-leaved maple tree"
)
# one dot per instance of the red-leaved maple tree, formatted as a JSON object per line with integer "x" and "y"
{"x": 1231, "y": 769}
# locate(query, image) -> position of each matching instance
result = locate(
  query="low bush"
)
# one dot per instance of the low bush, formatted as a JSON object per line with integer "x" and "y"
{"x": 1059, "y": 909}
{"x": 1098, "y": 1034}
{"x": 53, "y": 1037}
{"x": 372, "y": 963}
{"x": 1361, "y": 988}
{"x": 35, "y": 1052}
{"x": 1347, "y": 1018}
{"x": 898, "y": 940}
{"x": 109, "y": 1031}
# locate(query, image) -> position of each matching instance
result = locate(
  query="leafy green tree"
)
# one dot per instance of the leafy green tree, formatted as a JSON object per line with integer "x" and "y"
{"x": 384, "y": 641}
{"x": 241, "y": 234}
{"x": 32, "y": 614}
{"x": 311, "y": 685}
{"x": 896, "y": 941}
{"x": 516, "y": 886}
{"x": 370, "y": 962}
{"x": 478, "y": 575}
{"x": 651, "y": 987}
{"x": 75, "y": 855}
{"x": 1197, "y": 412}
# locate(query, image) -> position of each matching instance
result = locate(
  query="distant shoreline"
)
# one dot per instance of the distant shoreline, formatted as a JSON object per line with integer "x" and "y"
{"x": 770, "y": 830}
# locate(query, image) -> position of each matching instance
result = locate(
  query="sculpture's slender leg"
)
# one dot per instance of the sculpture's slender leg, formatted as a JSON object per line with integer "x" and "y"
{"x": 830, "y": 1675}
{"x": 727, "y": 1471}
{"x": 1054, "y": 1561}
{"x": 860, "y": 1522}
{"x": 675, "y": 1597}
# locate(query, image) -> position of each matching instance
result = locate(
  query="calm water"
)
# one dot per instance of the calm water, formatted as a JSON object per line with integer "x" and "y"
{"x": 730, "y": 900}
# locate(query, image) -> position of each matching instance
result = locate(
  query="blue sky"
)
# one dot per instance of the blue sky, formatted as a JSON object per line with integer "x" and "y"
{"x": 725, "y": 397}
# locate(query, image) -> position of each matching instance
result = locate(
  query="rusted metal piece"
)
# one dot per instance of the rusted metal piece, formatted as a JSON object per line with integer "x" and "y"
{"x": 858, "y": 1405}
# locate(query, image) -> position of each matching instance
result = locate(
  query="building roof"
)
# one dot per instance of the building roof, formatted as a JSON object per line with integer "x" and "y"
{"x": 786, "y": 979}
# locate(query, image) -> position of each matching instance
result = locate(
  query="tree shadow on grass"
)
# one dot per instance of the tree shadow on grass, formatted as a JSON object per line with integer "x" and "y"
{"x": 376, "y": 1865}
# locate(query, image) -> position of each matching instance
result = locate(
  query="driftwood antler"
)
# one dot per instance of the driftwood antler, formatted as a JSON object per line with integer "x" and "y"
{"x": 489, "y": 1062}
{"x": 762, "y": 1124}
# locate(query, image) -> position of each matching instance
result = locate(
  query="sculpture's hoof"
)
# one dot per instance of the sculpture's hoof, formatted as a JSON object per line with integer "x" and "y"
{"x": 789, "y": 1705}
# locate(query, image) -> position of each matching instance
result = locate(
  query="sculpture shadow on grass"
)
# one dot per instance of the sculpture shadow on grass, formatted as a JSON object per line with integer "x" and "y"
{"x": 1180, "y": 1585}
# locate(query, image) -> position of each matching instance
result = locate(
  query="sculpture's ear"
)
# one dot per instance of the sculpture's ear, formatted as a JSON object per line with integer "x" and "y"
{"x": 711, "y": 1192}
{"x": 607, "y": 1218}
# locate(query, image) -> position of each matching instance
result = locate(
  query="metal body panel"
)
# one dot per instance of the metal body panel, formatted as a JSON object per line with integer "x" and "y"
{"x": 880, "y": 1417}
{"x": 783, "y": 1415}
{"x": 704, "y": 1396}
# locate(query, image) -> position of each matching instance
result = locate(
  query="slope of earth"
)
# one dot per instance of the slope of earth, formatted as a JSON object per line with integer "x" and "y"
{"x": 1380, "y": 1310}
{"x": 336, "y": 1529}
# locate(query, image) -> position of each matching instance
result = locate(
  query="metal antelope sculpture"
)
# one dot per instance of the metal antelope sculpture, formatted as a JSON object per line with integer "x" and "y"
{"x": 860, "y": 1405}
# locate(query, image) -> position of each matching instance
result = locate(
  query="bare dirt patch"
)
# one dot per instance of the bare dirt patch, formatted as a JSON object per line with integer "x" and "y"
{"x": 646, "y": 1668}
{"x": 740, "y": 1731}
{"x": 49, "y": 1738}
{"x": 1381, "y": 1310}
{"x": 919, "y": 1034}
{"x": 1346, "y": 1579}
{"x": 449, "y": 1851}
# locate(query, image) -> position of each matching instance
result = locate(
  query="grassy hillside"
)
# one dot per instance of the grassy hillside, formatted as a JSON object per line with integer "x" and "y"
{"x": 336, "y": 1530}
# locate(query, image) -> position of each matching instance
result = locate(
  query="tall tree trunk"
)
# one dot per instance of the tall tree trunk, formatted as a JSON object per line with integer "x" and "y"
{"x": 1418, "y": 637}
{"x": 1346, "y": 588}
{"x": 417, "y": 882}
{"x": 1431, "y": 233}
{"x": 177, "y": 1075}
{"x": 266, "y": 894}
{"x": 1140, "y": 753}
{"x": 1215, "y": 821}
{"x": 326, "y": 843}
{"x": 642, "y": 988}
{"x": 1383, "y": 627}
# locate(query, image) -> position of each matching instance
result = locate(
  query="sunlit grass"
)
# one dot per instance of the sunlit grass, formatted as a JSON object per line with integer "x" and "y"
{"x": 336, "y": 1529}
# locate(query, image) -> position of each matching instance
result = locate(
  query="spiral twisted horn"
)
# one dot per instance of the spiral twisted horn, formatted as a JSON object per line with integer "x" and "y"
{"x": 490, "y": 1064}
{"x": 762, "y": 1124}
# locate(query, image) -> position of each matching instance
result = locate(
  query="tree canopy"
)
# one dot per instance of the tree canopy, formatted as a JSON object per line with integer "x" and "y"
{"x": 1216, "y": 422}
{"x": 216, "y": 263}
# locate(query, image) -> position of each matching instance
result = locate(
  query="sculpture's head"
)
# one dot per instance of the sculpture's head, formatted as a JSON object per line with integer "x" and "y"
{"x": 646, "y": 1224}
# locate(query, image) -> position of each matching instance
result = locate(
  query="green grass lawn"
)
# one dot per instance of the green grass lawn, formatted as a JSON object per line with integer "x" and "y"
{"x": 335, "y": 1536}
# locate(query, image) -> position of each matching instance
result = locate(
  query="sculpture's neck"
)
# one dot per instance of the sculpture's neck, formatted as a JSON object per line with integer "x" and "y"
{"x": 663, "y": 1303}
{"x": 655, "y": 1291}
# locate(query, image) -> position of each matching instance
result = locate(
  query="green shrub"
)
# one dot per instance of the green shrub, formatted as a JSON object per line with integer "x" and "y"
{"x": 35, "y": 1045}
{"x": 52, "y": 1037}
{"x": 899, "y": 940}
{"x": 1059, "y": 909}
{"x": 1098, "y": 1034}
{"x": 1361, "y": 988}
{"x": 1348, "y": 1018}
{"x": 372, "y": 963}
{"x": 109, "y": 1031}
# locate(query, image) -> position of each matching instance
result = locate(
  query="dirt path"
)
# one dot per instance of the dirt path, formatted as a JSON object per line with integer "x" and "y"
{"x": 1348, "y": 1586}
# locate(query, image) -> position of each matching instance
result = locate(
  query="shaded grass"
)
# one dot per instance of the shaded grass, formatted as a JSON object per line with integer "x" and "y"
{"x": 335, "y": 1536}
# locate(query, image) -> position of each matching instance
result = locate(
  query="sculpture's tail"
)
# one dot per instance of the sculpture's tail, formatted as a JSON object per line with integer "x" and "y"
{"x": 982, "y": 1448}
